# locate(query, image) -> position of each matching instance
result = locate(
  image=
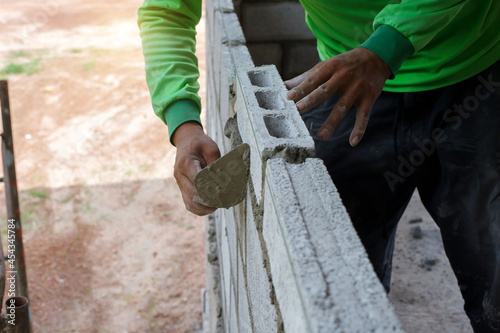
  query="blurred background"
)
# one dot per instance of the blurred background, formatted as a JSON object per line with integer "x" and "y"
{"x": 109, "y": 246}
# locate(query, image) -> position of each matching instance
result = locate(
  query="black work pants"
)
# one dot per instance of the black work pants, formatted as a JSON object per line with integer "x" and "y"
{"x": 446, "y": 143}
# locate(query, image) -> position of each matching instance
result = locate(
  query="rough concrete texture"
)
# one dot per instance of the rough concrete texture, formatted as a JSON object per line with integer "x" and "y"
{"x": 228, "y": 29}
{"x": 244, "y": 317}
{"x": 264, "y": 311}
{"x": 224, "y": 47}
{"x": 323, "y": 279}
{"x": 222, "y": 103}
{"x": 274, "y": 21}
{"x": 268, "y": 122}
{"x": 233, "y": 312}
{"x": 223, "y": 183}
{"x": 233, "y": 251}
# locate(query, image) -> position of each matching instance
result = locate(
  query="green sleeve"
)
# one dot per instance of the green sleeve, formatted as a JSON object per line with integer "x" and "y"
{"x": 168, "y": 32}
{"x": 407, "y": 27}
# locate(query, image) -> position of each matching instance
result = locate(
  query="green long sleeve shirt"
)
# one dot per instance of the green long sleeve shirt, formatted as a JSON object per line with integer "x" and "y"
{"x": 427, "y": 44}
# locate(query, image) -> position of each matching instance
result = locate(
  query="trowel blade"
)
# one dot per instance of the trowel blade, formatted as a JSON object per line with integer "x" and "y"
{"x": 223, "y": 183}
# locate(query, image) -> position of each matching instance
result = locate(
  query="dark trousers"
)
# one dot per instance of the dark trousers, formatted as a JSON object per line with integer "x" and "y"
{"x": 446, "y": 143}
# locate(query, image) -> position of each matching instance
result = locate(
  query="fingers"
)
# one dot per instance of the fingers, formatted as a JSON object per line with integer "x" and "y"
{"x": 358, "y": 76}
{"x": 210, "y": 153}
{"x": 362, "y": 117}
{"x": 192, "y": 169}
{"x": 338, "y": 113}
{"x": 192, "y": 201}
{"x": 304, "y": 84}
{"x": 292, "y": 83}
{"x": 319, "y": 95}
{"x": 185, "y": 180}
{"x": 195, "y": 150}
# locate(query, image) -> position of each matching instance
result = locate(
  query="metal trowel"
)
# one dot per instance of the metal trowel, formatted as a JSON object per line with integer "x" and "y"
{"x": 223, "y": 183}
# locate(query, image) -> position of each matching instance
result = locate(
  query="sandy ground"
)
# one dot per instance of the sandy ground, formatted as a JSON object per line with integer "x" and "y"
{"x": 109, "y": 246}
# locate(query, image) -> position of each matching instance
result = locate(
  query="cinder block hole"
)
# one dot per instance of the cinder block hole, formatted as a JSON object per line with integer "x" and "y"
{"x": 269, "y": 100}
{"x": 260, "y": 79}
{"x": 280, "y": 127}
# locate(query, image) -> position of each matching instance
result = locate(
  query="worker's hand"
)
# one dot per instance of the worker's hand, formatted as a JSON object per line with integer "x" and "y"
{"x": 358, "y": 76}
{"x": 195, "y": 150}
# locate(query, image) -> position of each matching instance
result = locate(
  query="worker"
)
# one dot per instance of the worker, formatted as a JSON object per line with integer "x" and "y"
{"x": 407, "y": 96}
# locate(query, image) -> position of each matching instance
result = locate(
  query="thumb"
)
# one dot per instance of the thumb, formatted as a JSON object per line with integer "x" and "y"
{"x": 211, "y": 153}
{"x": 194, "y": 166}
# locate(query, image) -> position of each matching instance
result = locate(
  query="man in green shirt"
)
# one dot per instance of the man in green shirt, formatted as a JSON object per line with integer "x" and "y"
{"x": 421, "y": 85}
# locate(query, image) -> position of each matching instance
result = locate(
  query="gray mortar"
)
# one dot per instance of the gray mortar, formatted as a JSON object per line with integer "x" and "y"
{"x": 227, "y": 96}
{"x": 232, "y": 132}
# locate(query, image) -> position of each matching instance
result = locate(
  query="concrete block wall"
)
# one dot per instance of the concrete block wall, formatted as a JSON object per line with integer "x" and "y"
{"x": 287, "y": 258}
{"x": 277, "y": 34}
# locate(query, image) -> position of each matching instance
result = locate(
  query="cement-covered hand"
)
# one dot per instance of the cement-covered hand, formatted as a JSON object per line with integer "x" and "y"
{"x": 358, "y": 76}
{"x": 195, "y": 150}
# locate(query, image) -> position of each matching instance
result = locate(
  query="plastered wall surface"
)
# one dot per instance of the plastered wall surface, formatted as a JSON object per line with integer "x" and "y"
{"x": 287, "y": 258}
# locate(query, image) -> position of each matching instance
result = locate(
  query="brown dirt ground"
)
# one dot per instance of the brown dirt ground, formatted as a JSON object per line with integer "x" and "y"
{"x": 109, "y": 246}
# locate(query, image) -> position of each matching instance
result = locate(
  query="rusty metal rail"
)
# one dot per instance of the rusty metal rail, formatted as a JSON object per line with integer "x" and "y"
{"x": 20, "y": 302}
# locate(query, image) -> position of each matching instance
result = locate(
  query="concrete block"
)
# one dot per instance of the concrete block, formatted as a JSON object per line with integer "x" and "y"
{"x": 224, "y": 6}
{"x": 264, "y": 313}
{"x": 225, "y": 269}
{"x": 242, "y": 59}
{"x": 287, "y": 243}
{"x": 240, "y": 213}
{"x": 233, "y": 312}
{"x": 211, "y": 8}
{"x": 212, "y": 311}
{"x": 209, "y": 20}
{"x": 266, "y": 54}
{"x": 232, "y": 241}
{"x": 244, "y": 319}
{"x": 323, "y": 279}
{"x": 268, "y": 122}
{"x": 298, "y": 58}
{"x": 212, "y": 109}
{"x": 274, "y": 22}
{"x": 228, "y": 30}
{"x": 231, "y": 55}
